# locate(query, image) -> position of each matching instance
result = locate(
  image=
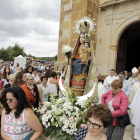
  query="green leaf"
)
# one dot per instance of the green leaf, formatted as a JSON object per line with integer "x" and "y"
{"x": 58, "y": 131}
{"x": 72, "y": 137}
{"x": 65, "y": 137}
{"x": 53, "y": 133}
{"x": 59, "y": 138}
{"x": 48, "y": 132}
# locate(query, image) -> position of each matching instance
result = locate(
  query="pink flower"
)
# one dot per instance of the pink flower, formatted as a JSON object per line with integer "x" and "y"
{"x": 48, "y": 112}
{"x": 66, "y": 100}
{"x": 71, "y": 119}
{"x": 83, "y": 125}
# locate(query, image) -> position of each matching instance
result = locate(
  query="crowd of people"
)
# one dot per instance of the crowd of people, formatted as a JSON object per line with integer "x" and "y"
{"x": 22, "y": 90}
{"x": 119, "y": 92}
{"x": 29, "y": 87}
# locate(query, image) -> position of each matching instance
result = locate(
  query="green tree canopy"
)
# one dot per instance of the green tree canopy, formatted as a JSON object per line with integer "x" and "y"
{"x": 14, "y": 51}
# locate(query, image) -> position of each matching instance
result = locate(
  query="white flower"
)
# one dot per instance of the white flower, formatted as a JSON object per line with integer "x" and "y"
{"x": 66, "y": 122}
{"x": 48, "y": 104}
{"x": 68, "y": 131}
{"x": 67, "y": 49}
{"x": 54, "y": 108}
{"x": 46, "y": 119}
{"x": 49, "y": 124}
{"x": 72, "y": 125}
{"x": 49, "y": 116}
{"x": 63, "y": 128}
{"x": 66, "y": 126}
{"x": 52, "y": 119}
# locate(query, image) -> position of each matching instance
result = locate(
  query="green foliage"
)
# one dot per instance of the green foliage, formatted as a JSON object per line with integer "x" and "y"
{"x": 14, "y": 51}
{"x": 5, "y": 55}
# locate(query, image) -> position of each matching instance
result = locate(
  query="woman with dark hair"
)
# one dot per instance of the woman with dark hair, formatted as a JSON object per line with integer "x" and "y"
{"x": 39, "y": 73}
{"x": 52, "y": 84}
{"x": 29, "y": 69}
{"x": 48, "y": 73}
{"x": 6, "y": 73}
{"x": 117, "y": 101}
{"x": 43, "y": 90}
{"x": 18, "y": 120}
{"x": 98, "y": 118}
{"x": 21, "y": 80}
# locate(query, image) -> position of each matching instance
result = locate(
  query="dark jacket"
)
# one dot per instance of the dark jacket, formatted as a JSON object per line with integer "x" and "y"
{"x": 37, "y": 96}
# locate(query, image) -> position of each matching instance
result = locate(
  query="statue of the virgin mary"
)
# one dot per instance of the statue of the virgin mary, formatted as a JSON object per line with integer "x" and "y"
{"x": 83, "y": 75}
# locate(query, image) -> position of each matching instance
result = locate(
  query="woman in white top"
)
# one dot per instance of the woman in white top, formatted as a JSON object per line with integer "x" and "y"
{"x": 52, "y": 84}
{"x": 18, "y": 121}
{"x": 43, "y": 90}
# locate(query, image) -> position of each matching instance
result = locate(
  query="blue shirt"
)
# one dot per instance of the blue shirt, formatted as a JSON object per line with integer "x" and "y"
{"x": 2, "y": 69}
{"x": 39, "y": 68}
{"x": 127, "y": 87}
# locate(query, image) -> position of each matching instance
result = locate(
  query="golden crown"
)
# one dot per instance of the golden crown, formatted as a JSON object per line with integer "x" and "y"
{"x": 88, "y": 37}
{"x": 84, "y": 27}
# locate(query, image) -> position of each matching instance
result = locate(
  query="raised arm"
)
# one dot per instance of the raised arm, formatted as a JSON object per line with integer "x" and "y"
{"x": 52, "y": 81}
{"x": 104, "y": 97}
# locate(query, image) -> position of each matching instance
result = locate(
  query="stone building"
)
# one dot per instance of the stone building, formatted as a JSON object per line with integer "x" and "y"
{"x": 117, "y": 36}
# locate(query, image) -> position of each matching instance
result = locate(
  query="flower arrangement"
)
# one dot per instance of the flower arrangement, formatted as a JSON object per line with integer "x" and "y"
{"x": 68, "y": 52}
{"x": 61, "y": 118}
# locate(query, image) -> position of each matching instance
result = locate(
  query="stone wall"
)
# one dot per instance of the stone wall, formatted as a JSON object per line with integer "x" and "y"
{"x": 71, "y": 11}
{"x": 113, "y": 18}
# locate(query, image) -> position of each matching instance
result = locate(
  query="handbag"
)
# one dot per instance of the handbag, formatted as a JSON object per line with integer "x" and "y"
{"x": 123, "y": 120}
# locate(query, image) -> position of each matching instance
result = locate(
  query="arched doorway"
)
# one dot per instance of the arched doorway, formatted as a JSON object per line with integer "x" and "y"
{"x": 129, "y": 49}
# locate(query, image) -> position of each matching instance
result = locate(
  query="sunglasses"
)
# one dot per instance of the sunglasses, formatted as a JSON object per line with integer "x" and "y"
{"x": 121, "y": 77}
{"x": 9, "y": 100}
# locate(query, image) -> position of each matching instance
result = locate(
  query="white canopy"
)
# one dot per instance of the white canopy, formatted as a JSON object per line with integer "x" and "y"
{"x": 20, "y": 56}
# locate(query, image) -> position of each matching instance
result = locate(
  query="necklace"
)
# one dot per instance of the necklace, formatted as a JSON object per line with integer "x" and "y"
{"x": 100, "y": 138}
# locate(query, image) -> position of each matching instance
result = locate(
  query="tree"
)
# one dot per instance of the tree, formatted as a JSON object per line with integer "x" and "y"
{"x": 5, "y": 55}
{"x": 17, "y": 50}
{"x": 55, "y": 57}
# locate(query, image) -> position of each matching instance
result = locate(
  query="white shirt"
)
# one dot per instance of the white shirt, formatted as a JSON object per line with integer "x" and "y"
{"x": 135, "y": 88}
{"x": 63, "y": 74}
{"x": 101, "y": 91}
{"x": 36, "y": 78}
{"x": 109, "y": 80}
{"x": 52, "y": 88}
{"x": 16, "y": 128}
{"x": 110, "y": 105}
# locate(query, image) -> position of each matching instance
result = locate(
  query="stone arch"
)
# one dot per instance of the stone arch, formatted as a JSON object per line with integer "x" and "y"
{"x": 121, "y": 28}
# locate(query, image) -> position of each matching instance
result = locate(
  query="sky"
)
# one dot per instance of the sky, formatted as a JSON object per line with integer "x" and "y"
{"x": 33, "y": 24}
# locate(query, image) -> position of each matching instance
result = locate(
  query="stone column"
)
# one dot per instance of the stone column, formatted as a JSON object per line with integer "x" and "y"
{"x": 71, "y": 11}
